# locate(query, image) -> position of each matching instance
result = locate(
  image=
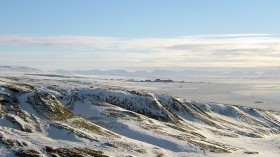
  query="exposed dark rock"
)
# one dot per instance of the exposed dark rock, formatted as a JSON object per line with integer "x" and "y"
{"x": 73, "y": 152}
{"x": 28, "y": 153}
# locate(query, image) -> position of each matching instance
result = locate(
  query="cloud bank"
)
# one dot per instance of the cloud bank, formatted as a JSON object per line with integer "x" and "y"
{"x": 88, "y": 52}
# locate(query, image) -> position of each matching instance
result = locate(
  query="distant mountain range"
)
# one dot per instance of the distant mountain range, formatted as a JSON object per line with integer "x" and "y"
{"x": 165, "y": 74}
{"x": 174, "y": 74}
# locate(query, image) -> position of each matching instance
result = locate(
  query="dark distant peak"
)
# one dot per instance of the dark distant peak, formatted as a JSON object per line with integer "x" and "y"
{"x": 159, "y": 80}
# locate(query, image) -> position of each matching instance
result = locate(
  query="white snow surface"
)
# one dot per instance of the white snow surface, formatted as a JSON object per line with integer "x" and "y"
{"x": 122, "y": 121}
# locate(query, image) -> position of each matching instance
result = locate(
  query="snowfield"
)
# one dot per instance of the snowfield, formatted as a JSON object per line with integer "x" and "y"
{"x": 45, "y": 114}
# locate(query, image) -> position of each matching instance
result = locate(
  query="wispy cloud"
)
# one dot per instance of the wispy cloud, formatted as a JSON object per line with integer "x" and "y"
{"x": 232, "y": 50}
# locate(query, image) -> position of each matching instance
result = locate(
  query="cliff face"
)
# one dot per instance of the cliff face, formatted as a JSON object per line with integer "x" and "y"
{"x": 66, "y": 117}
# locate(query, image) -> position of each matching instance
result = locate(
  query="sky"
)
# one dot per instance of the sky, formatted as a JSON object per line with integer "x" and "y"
{"x": 140, "y": 35}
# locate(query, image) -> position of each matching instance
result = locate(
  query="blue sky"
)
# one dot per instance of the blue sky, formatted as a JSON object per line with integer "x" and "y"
{"x": 143, "y": 34}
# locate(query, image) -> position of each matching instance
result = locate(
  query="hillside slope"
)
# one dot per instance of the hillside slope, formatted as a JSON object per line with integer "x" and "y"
{"x": 46, "y": 116}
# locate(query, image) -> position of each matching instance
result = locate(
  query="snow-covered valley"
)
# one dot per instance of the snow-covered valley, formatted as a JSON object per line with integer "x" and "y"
{"x": 45, "y": 114}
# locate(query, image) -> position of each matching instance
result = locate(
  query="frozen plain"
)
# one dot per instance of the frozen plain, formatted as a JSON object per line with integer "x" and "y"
{"x": 252, "y": 92}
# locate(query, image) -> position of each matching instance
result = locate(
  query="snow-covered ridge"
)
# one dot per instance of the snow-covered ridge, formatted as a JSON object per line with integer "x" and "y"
{"x": 46, "y": 116}
{"x": 19, "y": 69}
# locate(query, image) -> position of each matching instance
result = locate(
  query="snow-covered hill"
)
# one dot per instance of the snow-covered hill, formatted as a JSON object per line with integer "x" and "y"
{"x": 42, "y": 115}
{"x": 18, "y": 69}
